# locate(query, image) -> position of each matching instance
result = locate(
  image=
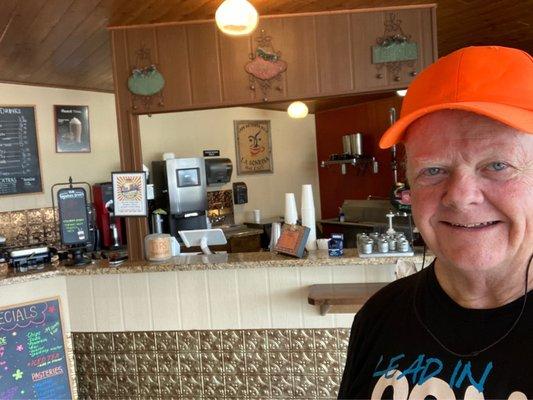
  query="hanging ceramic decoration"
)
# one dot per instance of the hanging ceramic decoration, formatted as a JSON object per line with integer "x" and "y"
{"x": 394, "y": 50}
{"x": 266, "y": 66}
{"x": 145, "y": 82}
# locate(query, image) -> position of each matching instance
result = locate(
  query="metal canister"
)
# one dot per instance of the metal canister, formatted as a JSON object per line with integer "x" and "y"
{"x": 383, "y": 246}
{"x": 361, "y": 238}
{"x": 356, "y": 143}
{"x": 366, "y": 246}
{"x": 346, "y": 146}
{"x": 392, "y": 244}
{"x": 403, "y": 246}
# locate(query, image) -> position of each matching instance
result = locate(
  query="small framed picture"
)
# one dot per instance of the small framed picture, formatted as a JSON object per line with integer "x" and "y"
{"x": 72, "y": 129}
{"x": 292, "y": 240}
{"x": 253, "y": 145}
{"x": 129, "y": 194}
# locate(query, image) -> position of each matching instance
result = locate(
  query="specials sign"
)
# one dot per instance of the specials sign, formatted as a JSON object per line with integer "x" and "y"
{"x": 253, "y": 145}
{"x": 33, "y": 361}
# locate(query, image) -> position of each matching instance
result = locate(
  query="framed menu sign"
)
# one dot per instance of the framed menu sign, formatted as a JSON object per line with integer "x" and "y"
{"x": 292, "y": 240}
{"x": 72, "y": 129}
{"x": 253, "y": 144}
{"x": 20, "y": 171}
{"x": 33, "y": 359}
{"x": 129, "y": 194}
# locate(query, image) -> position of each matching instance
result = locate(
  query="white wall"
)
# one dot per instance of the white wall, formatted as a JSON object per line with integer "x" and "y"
{"x": 294, "y": 151}
{"x": 92, "y": 167}
{"x": 185, "y": 134}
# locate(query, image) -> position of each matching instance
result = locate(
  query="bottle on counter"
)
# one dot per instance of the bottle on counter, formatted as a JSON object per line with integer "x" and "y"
{"x": 342, "y": 217}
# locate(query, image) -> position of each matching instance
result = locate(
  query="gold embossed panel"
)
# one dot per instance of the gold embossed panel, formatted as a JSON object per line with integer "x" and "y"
{"x": 229, "y": 364}
{"x": 28, "y": 227}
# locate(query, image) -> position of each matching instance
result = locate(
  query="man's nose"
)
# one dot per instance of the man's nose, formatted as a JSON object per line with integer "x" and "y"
{"x": 462, "y": 190}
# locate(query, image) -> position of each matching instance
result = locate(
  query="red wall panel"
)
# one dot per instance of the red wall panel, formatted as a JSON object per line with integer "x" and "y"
{"x": 371, "y": 119}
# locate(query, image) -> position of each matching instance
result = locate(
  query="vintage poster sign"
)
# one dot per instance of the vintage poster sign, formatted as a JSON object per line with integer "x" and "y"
{"x": 72, "y": 129}
{"x": 33, "y": 360}
{"x": 129, "y": 194}
{"x": 253, "y": 143}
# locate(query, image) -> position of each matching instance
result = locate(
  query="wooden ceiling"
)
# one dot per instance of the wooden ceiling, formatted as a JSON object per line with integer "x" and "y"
{"x": 65, "y": 42}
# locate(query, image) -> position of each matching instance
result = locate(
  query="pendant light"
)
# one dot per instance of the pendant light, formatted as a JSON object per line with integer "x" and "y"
{"x": 297, "y": 109}
{"x": 236, "y": 17}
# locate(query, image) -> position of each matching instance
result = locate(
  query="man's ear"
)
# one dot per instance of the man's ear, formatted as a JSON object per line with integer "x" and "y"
{"x": 406, "y": 197}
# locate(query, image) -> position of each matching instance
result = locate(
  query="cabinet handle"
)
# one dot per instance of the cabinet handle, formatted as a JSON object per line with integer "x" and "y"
{"x": 379, "y": 76}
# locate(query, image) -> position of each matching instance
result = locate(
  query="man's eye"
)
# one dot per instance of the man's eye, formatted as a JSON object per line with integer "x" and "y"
{"x": 432, "y": 171}
{"x": 497, "y": 166}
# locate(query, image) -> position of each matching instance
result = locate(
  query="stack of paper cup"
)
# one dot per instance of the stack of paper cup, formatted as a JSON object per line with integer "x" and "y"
{"x": 291, "y": 215}
{"x": 275, "y": 233}
{"x": 308, "y": 215}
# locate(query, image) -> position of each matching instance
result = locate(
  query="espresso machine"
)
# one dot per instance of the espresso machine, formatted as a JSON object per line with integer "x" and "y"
{"x": 180, "y": 189}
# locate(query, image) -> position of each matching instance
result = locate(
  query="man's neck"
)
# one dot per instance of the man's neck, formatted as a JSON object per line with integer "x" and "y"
{"x": 476, "y": 290}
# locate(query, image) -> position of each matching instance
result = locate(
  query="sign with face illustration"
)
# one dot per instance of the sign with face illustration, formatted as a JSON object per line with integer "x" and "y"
{"x": 253, "y": 146}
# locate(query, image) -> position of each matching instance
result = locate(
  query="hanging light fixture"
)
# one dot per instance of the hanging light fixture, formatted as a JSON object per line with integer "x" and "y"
{"x": 236, "y": 17}
{"x": 297, "y": 109}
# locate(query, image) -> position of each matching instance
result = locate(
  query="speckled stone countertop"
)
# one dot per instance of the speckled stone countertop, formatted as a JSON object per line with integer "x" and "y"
{"x": 202, "y": 262}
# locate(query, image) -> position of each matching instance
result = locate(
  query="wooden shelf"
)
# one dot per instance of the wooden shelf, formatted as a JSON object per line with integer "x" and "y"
{"x": 339, "y": 298}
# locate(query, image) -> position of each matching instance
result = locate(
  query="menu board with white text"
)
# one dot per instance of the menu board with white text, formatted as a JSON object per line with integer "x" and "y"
{"x": 20, "y": 171}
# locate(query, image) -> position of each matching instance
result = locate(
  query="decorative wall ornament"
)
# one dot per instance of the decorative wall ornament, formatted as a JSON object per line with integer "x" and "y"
{"x": 394, "y": 49}
{"x": 266, "y": 66}
{"x": 145, "y": 82}
{"x": 253, "y": 146}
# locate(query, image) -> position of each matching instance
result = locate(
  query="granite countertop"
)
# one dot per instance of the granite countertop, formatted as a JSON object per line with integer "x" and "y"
{"x": 201, "y": 262}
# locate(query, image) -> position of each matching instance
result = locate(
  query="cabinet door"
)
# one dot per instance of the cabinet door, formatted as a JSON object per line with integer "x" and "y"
{"x": 333, "y": 52}
{"x": 366, "y": 28}
{"x": 234, "y": 54}
{"x": 299, "y": 51}
{"x": 204, "y": 64}
{"x": 416, "y": 24}
{"x": 273, "y": 29}
{"x": 174, "y": 65}
{"x": 142, "y": 52}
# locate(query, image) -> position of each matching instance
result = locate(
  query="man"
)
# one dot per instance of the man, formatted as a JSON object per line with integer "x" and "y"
{"x": 462, "y": 327}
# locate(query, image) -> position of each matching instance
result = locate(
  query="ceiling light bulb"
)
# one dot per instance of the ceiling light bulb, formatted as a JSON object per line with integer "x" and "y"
{"x": 236, "y": 17}
{"x": 401, "y": 92}
{"x": 297, "y": 109}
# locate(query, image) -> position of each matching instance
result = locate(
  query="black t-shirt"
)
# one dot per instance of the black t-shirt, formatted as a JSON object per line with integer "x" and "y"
{"x": 392, "y": 354}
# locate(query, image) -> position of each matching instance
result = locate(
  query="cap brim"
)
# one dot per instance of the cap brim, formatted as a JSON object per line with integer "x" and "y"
{"x": 515, "y": 117}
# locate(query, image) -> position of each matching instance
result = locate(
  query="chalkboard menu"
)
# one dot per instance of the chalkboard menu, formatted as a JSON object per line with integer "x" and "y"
{"x": 73, "y": 220}
{"x": 33, "y": 361}
{"x": 19, "y": 156}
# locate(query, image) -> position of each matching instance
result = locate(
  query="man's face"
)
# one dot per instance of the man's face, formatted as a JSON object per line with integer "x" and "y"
{"x": 471, "y": 189}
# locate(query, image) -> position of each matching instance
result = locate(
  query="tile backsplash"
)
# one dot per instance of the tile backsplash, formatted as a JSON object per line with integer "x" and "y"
{"x": 211, "y": 364}
{"x": 27, "y": 227}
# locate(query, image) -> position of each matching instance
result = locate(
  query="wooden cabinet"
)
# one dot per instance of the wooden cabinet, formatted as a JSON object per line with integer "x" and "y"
{"x": 327, "y": 54}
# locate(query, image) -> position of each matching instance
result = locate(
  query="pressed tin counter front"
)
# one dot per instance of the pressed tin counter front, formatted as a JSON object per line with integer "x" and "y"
{"x": 223, "y": 326}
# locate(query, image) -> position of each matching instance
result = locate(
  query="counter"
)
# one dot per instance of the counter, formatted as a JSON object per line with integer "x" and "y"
{"x": 195, "y": 262}
{"x": 203, "y": 326}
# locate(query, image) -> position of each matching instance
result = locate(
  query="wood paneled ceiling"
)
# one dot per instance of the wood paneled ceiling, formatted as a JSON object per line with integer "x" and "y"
{"x": 65, "y": 42}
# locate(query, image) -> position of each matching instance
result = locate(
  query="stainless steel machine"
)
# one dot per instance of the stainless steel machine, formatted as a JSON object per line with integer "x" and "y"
{"x": 180, "y": 190}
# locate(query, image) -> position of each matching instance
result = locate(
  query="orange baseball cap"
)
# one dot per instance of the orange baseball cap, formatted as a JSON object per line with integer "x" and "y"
{"x": 493, "y": 81}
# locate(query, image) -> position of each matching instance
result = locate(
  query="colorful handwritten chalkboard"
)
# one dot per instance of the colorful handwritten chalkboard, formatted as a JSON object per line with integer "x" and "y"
{"x": 33, "y": 361}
